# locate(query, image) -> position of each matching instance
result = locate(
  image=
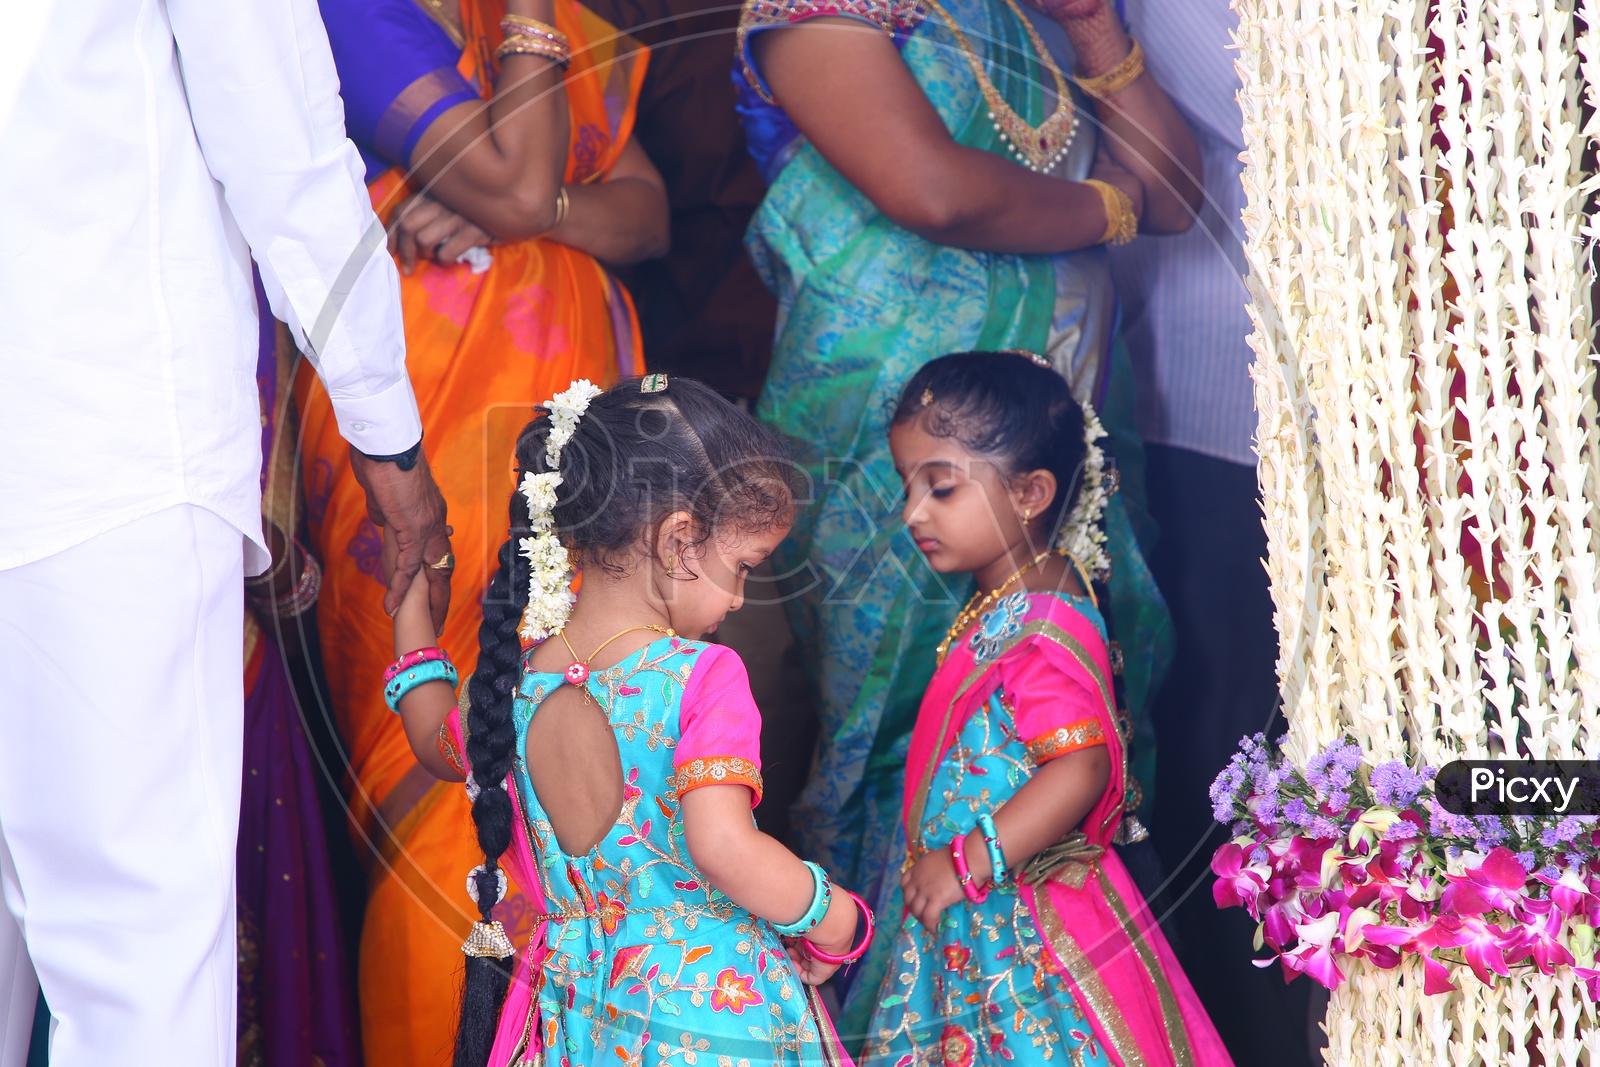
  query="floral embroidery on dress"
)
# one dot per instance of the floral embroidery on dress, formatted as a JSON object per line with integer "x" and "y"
{"x": 718, "y": 770}
{"x": 1085, "y": 733}
{"x": 998, "y": 627}
{"x": 645, "y": 961}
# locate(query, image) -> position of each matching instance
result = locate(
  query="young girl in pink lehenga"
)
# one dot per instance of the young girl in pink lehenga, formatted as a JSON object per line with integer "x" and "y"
{"x": 1024, "y": 940}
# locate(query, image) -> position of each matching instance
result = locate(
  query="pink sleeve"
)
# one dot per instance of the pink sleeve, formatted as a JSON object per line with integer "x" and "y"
{"x": 1054, "y": 711}
{"x": 719, "y": 740}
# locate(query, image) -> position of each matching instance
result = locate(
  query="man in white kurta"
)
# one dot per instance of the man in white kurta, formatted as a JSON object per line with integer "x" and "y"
{"x": 149, "y": 148}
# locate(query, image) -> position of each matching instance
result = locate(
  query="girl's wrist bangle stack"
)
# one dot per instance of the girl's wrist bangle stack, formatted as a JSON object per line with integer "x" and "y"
{"x": 997, "y": 855}
{"x": 414, "y": 669}
{"x": 821, "y": 897}
{"x": 958, "y": 856}
{"x": 854, "y": 954}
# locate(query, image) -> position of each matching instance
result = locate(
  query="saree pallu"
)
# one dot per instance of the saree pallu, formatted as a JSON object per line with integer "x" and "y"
{"x": 1073, "y": 961}
{"x": 296, "y": 998}
{"x": 482, "y": 351}
{"x": 864, "y": 303}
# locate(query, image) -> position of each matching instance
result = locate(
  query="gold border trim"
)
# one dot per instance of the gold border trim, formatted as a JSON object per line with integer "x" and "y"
{"x": 1090, "y": 985}
{"x": 1171, "y": 1016}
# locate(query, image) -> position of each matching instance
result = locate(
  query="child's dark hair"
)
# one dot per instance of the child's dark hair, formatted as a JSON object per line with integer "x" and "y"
{"x": 634, "y": 459}
{"x": 1007, "y": 408}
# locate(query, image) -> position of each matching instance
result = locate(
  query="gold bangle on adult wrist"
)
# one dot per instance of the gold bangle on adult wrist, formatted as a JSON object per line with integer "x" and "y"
{"x": 1122, "y": 224}
{"x": 1118, "y": 78}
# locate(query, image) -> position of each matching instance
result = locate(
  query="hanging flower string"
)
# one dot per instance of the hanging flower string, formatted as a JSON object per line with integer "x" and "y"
{"x": 550, "y": 595}
{"x": 1083, "y": 536}
{"x": 1340, "y": 863}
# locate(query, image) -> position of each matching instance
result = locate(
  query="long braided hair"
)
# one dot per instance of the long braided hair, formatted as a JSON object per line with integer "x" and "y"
{"x": 634, "y": 459}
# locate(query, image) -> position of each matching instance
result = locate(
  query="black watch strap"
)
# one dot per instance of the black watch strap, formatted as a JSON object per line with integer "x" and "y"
{"x": 404, "y": 460}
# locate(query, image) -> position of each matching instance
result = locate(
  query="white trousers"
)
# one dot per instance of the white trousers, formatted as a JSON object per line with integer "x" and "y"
{"x": 121, "y": 741}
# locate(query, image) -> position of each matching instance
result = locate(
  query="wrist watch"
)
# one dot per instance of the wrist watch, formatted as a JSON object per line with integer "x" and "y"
{"x": 404, "y": 460}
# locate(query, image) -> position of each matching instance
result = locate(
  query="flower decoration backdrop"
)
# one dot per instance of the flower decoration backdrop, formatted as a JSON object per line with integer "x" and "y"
{"x": 1418, "y": 241}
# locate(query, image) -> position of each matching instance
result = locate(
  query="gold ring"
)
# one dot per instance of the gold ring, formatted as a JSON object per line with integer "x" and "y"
{"x": 446, "y": 561}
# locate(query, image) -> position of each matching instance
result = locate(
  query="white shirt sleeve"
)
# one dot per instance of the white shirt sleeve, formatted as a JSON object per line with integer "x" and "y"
{"x": 264, "y": 97}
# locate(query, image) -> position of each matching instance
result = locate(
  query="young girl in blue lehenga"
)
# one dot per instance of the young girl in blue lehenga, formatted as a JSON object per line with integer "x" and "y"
{"x": 1024, "y": 940}
{"x": 614, "y": 757}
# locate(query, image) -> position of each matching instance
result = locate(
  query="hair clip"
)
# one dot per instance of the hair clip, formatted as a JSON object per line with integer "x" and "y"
{"x": 653, "y": 383}
{"x": 927, "y": 396}
{"x": 1038, "y": 360}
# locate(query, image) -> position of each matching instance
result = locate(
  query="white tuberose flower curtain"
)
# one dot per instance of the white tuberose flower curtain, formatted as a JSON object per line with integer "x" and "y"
{"x": 1418, "y": 178}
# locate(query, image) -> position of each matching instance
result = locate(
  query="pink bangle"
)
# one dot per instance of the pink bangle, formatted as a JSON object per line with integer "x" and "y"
{"x": 958, "y": 856}
{"x": 854, "y": 954}
{"x": 411, "y": 659}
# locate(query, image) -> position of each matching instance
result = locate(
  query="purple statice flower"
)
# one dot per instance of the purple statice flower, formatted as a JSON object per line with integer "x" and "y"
{"x": 1259, "y": 854}
{"x": 1395, "y": 785}
{"x": 1324, "y": 827}
{"x": 1550, "y": 871}
{"x": 1226, "y": 788}
{"x": 1526, "y": 859}
{"x": 1339, "y": 800}
{"x": 1444, "y": 823}
{"x": 1569, "y": 828}
{"x": 1404, "y": 830}
{"x": 1334, "y": 769}
{"x": 1296, "y": 813}
{"x": 1488, "y": 831}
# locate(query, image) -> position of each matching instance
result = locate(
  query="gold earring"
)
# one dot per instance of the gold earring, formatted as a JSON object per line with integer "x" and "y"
{"x": 1027, "y": 516}
{"x": 672, "y": 565}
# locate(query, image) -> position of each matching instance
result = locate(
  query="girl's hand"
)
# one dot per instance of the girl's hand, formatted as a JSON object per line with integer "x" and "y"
{"x": 413, "y": 623}
{"x": 835, "y": 935}
{"x": 930, "y": 886}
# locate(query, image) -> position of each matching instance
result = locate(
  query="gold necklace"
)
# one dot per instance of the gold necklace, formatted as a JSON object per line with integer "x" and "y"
{"x": 1035, "y": 147}
{"x": 971, "y": 612}
{"x": 577, "y": 671}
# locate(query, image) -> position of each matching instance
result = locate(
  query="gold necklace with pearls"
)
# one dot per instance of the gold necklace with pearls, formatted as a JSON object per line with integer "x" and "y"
{"x": 1040, "y": 147}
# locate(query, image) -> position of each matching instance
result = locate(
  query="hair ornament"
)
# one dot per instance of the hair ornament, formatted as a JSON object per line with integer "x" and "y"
{"x": 927, "y": 396}
{"x": 1038, "y": 360}
{"x": 472, "y": 883}
{"x": 1082, "y": 535}
{"x": 550, "y": 595}
{"x": 653, "y": 383}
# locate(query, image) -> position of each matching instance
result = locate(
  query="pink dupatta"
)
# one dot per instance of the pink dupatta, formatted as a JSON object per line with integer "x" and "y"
{"x": 1093, "y": 920}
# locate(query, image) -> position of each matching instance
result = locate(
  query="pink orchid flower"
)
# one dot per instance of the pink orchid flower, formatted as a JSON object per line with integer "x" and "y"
{"x": 1238, "y": 882}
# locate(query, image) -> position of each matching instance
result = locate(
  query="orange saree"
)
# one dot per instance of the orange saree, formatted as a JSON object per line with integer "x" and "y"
{"x": 482, "y": 350}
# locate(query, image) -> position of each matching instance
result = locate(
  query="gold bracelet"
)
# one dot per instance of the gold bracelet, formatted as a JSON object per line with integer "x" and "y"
{"x": 544, "y": 48}
{"x": 561, "y": 208}
{"x": 512, "y": 25}
{"x": 1118, "y": 78}
{"x": 1122, "y": 225}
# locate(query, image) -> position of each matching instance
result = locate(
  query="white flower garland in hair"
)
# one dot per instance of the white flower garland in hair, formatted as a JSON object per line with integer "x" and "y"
{"x": 1082, "y": 536}
{"x": 550, "y": 595}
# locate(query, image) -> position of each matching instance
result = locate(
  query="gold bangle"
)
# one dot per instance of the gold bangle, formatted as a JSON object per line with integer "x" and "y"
{"x": 512, "y": 25}
{"x": 1122, "y": 225}
{"x": 561, "y": 208}
{"x": 1118, "y": 78}
{"x": 534, "y": 46}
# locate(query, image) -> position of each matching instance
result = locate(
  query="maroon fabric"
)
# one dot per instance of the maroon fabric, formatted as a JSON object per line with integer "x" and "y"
{"x": 296, "y": 1000}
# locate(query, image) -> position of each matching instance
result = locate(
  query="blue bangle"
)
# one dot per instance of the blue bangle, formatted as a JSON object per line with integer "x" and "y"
{"x": 997, "y": 856}
{"x": 821, "y": 894}
{"x": 433, "y": 670}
